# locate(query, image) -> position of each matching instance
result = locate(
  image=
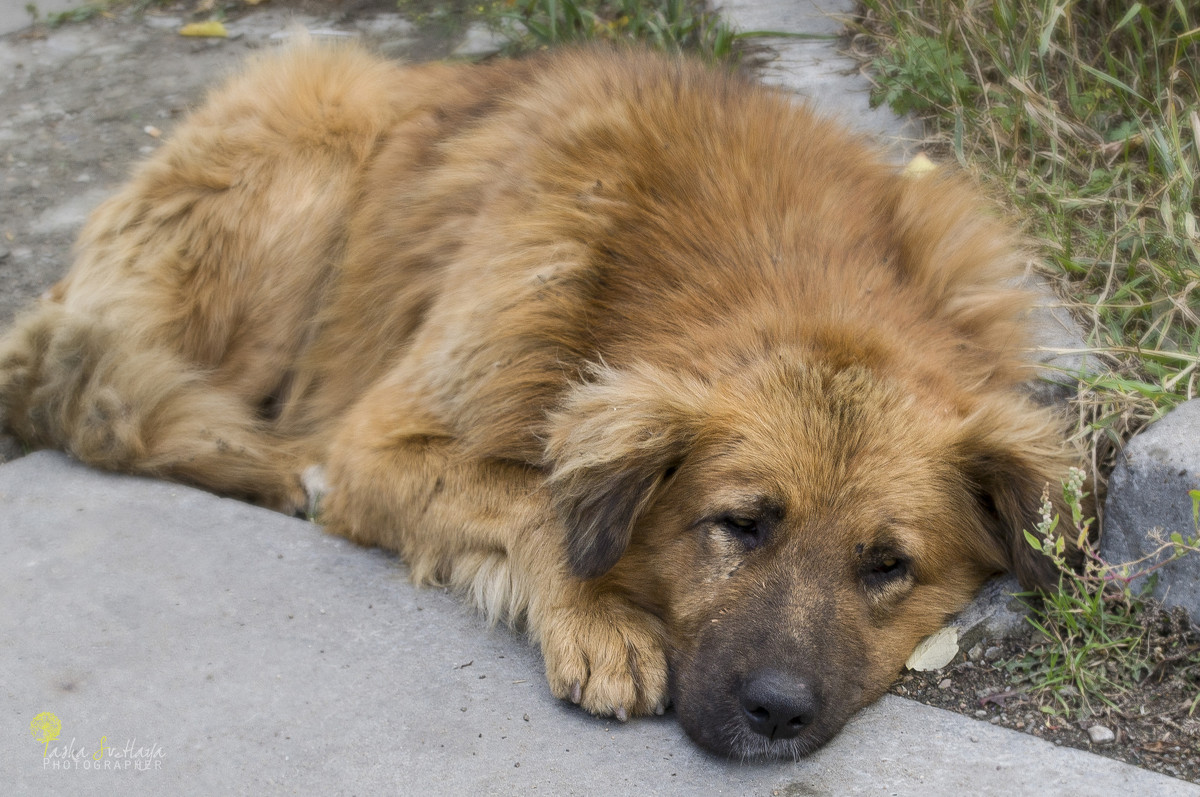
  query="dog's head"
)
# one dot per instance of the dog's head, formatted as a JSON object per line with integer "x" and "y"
{"x": 799, "y": 528}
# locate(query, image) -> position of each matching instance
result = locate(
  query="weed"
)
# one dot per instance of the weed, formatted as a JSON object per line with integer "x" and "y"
{"x": 1092, "y": 628}
{"x": 919, "y": 73}
{"x": 673, "y": 25}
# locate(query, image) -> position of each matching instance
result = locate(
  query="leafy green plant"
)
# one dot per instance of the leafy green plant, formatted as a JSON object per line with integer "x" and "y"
{"x": 666, "y": 24}
{"x": 921, "y": 73}
{"x": 1092, "y": 629}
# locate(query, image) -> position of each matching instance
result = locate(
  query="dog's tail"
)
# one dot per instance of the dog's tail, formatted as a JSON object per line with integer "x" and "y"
{"x": 69, "y": 381}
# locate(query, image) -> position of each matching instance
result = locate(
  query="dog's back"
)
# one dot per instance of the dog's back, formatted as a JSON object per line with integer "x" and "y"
{"x": 265, "y": 267}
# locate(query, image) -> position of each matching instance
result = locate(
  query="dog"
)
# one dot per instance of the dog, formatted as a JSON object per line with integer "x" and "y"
{"x": 638, "y": 354}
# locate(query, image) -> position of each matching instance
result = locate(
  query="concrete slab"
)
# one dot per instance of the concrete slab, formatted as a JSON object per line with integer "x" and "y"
{"x": 190, "y": 644}
{"x": 812, "y": 66}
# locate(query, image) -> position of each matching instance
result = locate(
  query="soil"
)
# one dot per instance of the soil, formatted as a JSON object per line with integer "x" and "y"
{"x": 80, "y": 104}
{"x": 1153, "y": 716}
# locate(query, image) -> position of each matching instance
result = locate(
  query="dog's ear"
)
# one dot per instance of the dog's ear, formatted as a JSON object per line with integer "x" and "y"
{"x": 1012, "y": 456}
{"x": 610, "y": 446}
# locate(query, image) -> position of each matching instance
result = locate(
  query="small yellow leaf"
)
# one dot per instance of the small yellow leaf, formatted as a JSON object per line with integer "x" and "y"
{"x": 919, "y": 166}
{"x": 211, "y": 29}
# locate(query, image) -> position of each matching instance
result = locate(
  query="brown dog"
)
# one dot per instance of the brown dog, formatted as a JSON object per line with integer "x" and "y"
{"x": 720, "y": 405}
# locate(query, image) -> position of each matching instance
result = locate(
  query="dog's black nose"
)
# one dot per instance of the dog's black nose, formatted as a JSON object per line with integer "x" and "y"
{"x": 776, "y": 705}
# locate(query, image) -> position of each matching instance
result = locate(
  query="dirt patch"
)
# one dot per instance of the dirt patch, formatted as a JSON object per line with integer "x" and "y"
{"x": 1152, "y": 721}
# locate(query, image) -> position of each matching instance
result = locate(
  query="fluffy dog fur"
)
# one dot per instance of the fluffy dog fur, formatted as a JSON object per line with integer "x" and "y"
{"x": 653, "y": 359}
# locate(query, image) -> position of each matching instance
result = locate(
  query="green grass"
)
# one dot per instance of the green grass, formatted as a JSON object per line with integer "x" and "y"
{"x": 1084, "y": 117}
{"x": 672, "y": 25}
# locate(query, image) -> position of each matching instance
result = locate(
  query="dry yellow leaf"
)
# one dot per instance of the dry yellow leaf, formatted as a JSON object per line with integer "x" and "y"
{"x": 935, "y": 651}
{"x": 211, "y": 29}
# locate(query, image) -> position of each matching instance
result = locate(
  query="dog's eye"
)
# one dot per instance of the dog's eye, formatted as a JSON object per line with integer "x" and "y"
{"x": 885, "y": 570}
{"x": 746, "y": 530}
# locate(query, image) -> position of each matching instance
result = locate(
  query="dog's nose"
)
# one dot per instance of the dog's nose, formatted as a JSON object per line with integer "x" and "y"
{"x": 776, "y": 705}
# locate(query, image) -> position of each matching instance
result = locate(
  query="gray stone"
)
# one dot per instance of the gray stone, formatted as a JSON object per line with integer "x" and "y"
{"x": 1101, "y": 735}
{"x": 1148, "y": 496}
{"x": 994, "y": 614}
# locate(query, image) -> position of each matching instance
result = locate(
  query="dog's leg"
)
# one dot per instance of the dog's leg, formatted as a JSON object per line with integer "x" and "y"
{"x": 69, "y": 381}
{"x": 397, "y": 479}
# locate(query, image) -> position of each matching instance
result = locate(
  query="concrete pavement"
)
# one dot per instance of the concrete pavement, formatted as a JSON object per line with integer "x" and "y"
{"x": 194, "y": 645}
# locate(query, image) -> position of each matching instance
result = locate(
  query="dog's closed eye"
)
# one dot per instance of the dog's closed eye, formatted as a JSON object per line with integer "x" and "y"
{"x": 749, "y": 531}
{"x": 884, "y": 569}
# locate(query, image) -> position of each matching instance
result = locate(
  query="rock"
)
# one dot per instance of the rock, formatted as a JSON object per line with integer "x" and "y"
{"x": 1101, "y": 735}
{"x": 1148, "y": 491}
{"x": 994, "y": 614}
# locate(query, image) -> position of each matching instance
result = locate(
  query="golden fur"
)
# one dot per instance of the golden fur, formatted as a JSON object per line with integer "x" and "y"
{"x": 648, "y": 357}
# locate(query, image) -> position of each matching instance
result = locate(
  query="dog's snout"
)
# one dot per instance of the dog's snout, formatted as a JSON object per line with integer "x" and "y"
{"x": 776, "y": 705}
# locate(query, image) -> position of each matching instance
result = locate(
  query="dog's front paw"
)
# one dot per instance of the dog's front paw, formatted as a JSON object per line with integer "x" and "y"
{"x": 606, "y": 655}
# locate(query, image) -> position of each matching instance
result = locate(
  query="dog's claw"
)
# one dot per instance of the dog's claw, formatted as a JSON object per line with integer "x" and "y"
{"x": 621, "y": 714}
{"x": 577, "y": 693}
{"x": 660, "y": 708}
